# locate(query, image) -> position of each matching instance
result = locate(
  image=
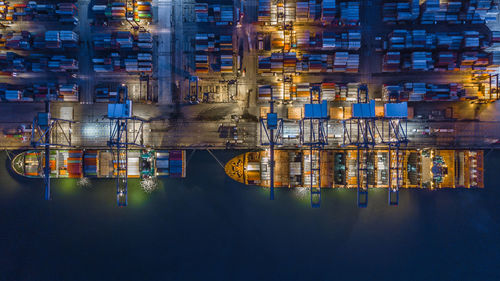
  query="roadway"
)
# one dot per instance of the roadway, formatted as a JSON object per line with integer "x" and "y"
{"x": 86, "y": 74}
{"x": 164, "y": 52}
{"x": 199, "y": 126}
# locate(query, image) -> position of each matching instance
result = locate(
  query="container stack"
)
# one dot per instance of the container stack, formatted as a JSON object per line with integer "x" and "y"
{"x": 471, "y": 39}
{"x": 352, "y": 92}
{"x": 145, "y": 41}
{"x": 311, "y": 174}
{"x": 392, "y": 61}
{"x": 421, "y": 61}
{"x": 349, "y": 13}
{"x": 495, "y": 58}
{"x": 40, "y": 91}
{"x": 303, "y": 92}
{"x": 17, "y": 40}
{"x": 445, "y": 41}
{"x": 353, "y": 63}
{"x": 417, "y": 91}
{"x": 226, "y": 44}
{"x": 124, "y": 40}
{"x": 403, "y": 11}
{"x": 431, "y": 12}
{"x": 290, "y": 11}
{"x": 264, "y": 64}
{"x": 68, "y": 92}
{"x": 389, "y": 12}
{"x": 52, "y": 40}
{"x": 227, "y": 16}
{"x": 328, "y": 11}
{"x": 446, "y": 61}
{"x": 481, "y": 10}
{"x": 441, "y": 92}
{"x": 61, "y": 63}
{"x": 201, "y": 12}
{"x": 316, "y": 63}
{"x": 201, "y": 42}
{"x": 142, "y": 10}
{"x": 277, "y": 40}
{"x": 483, "y": 60}
{"x": 303, "y": 63}
{"x": 340, "y": 63}
{"x": 289, "y": 62}
{"x": 468, "y": 59}
{"x": 264, "y": 11}
{"x": 201, "y": 63}
{"x": 329, "y": 63}
{"x": 314, "y": 10}
{"x": 226, "y": 63}
{"x": 328, "y": 91}
{"x": 495, "y": 36}
{"x": 102, "y": 65}
{"x": 176, "y": 164}
{"x": 303, "y": 39}
{"x": 118, "y": 10}
{"x": 69, "y": 39}
{"x": 419, "y": 39}
{"x": 67, "y": 12}
{"x": 99, "y": 11}
{"x": 13, "y": 95}
{"x": 145, "y": 62}
{"x": 264, "y": 92}
{"x": 276, "y": 62}
{"x": 397, "y": 39}
{"x": 214, "y": 13}
{"x": 131, "y": 64}
{"x": 354, "y": 40}
{"x": 329, "y": 40}
{"x": 391, "y": 92}
{"x": 302, "y": 11}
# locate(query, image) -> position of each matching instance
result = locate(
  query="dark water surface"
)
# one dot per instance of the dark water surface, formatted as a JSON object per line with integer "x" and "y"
{"x": 208, "y": 227}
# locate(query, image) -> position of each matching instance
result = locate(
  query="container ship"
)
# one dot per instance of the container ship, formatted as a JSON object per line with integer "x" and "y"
{"x": 425, "y": 168}
{"x": 101, "y": 163}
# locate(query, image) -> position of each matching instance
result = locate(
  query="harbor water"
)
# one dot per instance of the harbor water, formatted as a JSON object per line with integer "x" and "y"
{"x": 208, "y": 227}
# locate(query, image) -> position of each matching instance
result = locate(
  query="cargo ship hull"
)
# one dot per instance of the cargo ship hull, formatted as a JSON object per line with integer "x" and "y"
{"x": 428, "y": 168}
{"x": 101, "y": 163}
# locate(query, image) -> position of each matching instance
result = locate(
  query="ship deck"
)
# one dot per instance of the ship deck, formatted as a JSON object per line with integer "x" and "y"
{"x": 338, "y": 168}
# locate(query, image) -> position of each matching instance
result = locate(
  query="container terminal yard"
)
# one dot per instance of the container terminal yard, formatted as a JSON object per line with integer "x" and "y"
{"x": 331, "y": 93}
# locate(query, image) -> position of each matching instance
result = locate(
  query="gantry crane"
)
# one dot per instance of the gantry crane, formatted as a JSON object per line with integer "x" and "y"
{"x": 271, "y": 134}
{"x": 192, "y": 96}
{"x": 365, "y": 130}
{"x": 49, "y": 132}
{"x": 315, "y": 121}
{"x": 121, "y": 136}
{"x": 394, "y": 135}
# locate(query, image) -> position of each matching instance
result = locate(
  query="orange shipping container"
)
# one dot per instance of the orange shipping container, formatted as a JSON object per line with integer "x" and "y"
{"x": 295, "y": 113}
{"x": 347, "y": 112}
{"x": 264, "y": 110}
{"x": 336, "y": 113}
{"x": 410, "y": 112}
